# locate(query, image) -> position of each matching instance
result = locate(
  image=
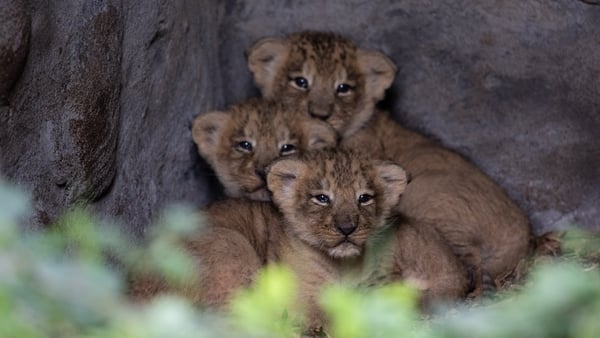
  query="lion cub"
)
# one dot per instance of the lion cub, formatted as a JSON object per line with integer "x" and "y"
{"x": 332, "y": 221}
{"x": 324, "y": 74}
{"x": 335, "y": 206}
{"x": 241, "y": 142}
{"x": 335, "y": 81}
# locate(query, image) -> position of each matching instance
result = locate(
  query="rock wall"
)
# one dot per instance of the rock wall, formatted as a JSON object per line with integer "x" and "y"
{"x": 61, "y": 122}
{"x": 102, "y": 110}
{"x": 14, "y": 44}
{"x": 169, "y": 73}
{"x": 97, "y": 98}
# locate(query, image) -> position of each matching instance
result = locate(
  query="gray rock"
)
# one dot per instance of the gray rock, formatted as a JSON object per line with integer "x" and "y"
{"x": 60, "y": 133}
{"x": 14, "y": 38}
{"x": 170, "y": 73}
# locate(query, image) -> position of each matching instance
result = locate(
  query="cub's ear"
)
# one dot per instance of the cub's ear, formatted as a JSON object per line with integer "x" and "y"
{"x": 282, "y": 180}
{"x": 318, "y": 134}
{"x": 379, "y": 71}
{"x": 265, "y": 59}
{"x": 206, "y": 132}
{"x": 393, "y": 179}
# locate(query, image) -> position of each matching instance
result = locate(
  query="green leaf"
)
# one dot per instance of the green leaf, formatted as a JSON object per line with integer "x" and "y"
{"x": 380, "y": 312}
{"x": 268, "y": 307}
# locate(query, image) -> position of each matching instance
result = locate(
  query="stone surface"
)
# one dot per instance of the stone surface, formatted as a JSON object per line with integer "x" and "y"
{"x": 14, "y": 38}
{"x": 170, "y": 73}
{"x": 101, "y": 110}
{"x": 60, "y": 131}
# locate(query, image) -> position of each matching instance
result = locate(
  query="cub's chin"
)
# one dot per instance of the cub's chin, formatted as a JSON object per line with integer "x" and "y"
{"x": 345, "y": 250}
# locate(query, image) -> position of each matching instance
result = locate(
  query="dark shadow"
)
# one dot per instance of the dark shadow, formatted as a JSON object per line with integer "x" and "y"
{"x": 208, "y": 183}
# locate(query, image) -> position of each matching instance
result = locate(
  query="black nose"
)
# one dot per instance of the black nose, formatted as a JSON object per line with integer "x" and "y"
{"x": 346, "y": 229}
{"x": 319, "y": 115}
{"x": 320, "y": 111}
{"x": 261, "y": 173}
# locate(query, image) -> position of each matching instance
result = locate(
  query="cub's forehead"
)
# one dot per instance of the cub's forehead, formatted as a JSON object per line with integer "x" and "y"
{"x": 260, "y": 118}
{"x": 320, "y": 38}
{"x": 322, "y": 43}
{"x": 337, "y": 168}
{"x": 324, "y": 50}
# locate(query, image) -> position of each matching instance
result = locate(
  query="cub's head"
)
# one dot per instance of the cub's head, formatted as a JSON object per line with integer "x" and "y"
{"x": 241, "y": 142}
{"x": 333, "y": 200}
{"x": 324, "y": 74}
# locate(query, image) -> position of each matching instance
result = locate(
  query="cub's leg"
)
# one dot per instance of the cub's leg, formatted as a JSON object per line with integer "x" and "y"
{"x": 485, "y": 229}
{"x": 226, "y": 261}
{"x": 424, "y": 259}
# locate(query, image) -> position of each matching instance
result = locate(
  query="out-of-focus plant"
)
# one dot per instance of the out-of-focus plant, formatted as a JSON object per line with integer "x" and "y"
{"x": 582, "y": 246}
{"x": 43, "y": 292}
{"x": 560, "y": 300}
{"x": 63, "y": 282}
{"x": 268, "y": 308}
{"x": 388, "y": 311}
{"x": 163, "y": 253}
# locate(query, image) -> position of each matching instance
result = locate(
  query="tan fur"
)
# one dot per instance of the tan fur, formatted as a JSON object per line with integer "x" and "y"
{"x": 239, "y": 236}
{"x": 267, "y": 126}
{"x": 485, "y": 228}
{"x": 308, "y": 235}
{"x": 276, "y": 63}
{"x": 316, "y": 248}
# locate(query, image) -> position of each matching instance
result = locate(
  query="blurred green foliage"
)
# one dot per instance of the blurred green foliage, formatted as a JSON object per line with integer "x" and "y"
{"x": 268, "y": 308}
{"x": 388, "y": 311}
{"x": 64, "y": 282}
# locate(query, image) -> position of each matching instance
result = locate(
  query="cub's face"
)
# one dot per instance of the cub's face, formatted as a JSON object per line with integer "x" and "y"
{"x": 333, "y": 200}
{"x": 241, "y": 142}
{"x": 324, "y": 74}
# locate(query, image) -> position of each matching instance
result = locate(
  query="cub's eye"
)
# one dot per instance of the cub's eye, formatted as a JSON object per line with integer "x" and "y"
{"x": 300, "y": 82}
{"x": 322, "y": 199}
{"x": 244, "y": 146}
{"x": 343, "y": 88}
{"x": 287, "y": 149}
{"x": 364, "y": 199}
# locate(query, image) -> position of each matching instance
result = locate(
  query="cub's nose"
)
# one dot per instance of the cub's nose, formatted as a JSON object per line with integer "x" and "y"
{"x": 323, "y": 115}
{"x": 320, "y": 111}
{"x": 346, "y": 229}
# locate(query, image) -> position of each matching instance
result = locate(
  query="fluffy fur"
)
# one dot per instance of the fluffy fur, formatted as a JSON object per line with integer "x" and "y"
{"x": 241, "y": 142}
{"x": 238, "y": 237}
{"x": 486, "y": 229}
{"x": 341, "y": 88}
{"x": 332, "y": 222}
{"x": 336, "y": 207}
